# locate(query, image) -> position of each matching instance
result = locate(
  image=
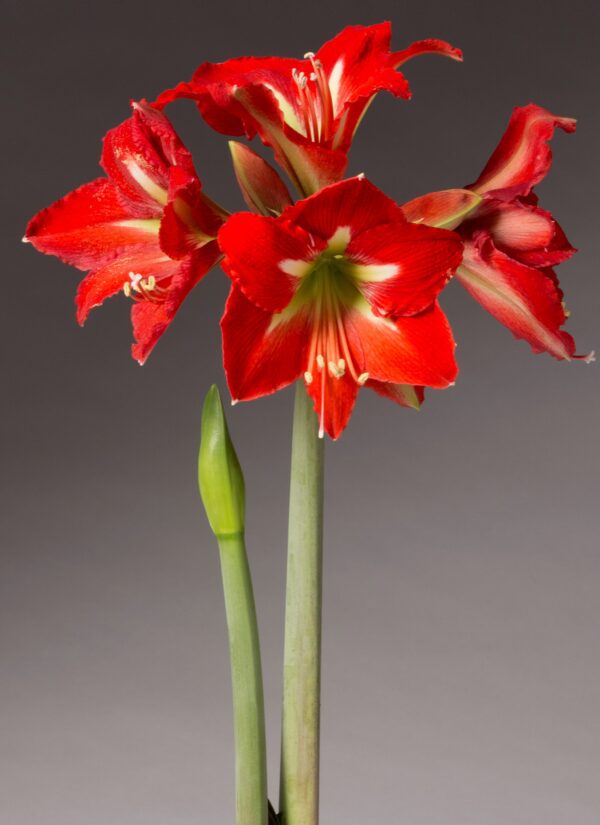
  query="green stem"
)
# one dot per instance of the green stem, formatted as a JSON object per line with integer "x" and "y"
{"x": 299, "y": 792}
{"x": 246, "y": 680}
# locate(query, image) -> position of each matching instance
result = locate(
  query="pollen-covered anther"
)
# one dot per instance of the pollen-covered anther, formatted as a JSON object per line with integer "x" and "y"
{"x": 140, "y": 288}
{"x": 362, "y": 378}
{"x": 299, "y": 78}
{"x": 308, "y": 377}
{"x": 320, "y": 362}
{"x": 337, "y": 370}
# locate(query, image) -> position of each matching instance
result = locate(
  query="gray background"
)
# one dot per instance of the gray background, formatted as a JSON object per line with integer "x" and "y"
{"x": 461, "y": 642}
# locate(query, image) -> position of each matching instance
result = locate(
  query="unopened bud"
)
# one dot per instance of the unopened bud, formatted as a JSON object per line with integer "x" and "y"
{"x": 220, "y": 477}
{"x": 262, "y": 188}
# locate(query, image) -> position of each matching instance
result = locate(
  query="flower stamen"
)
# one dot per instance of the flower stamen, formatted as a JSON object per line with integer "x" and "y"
{"x": 316, "y": 103}
{"x": 139, "y": 288}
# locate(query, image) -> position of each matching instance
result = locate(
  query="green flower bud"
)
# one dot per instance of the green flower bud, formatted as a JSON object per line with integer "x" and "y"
{"x": 262, "y": 188}
{"x": 220, "y": 477}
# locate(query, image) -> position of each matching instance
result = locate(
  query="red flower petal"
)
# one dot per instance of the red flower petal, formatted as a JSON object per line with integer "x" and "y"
{"x": 89, "y": 226}
{"x": 354, "y": 203}
{"x": 401, "y": 267}
{"x": 525, "y": 232}
{"x": 523, "y": 156}
{"x": 261, "y": 354}
{"x": 429, "y": 46}
{"x": 213, "y": 85}
{"x": 151, "y": 319}
{"x": 138, "y": 155}
{"x": 527, "y": 301}
{"x": 415, "y": 350}
{"x": 106, "y": 281}
{"x": 334, "y": 400}
{"x": 265, "y": 258}
{"x": 357, "y": 64}
{"x": 190, "y": 219}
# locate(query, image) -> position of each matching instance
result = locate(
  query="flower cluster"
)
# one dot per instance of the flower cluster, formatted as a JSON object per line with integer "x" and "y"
{"x": 340, "y": 287}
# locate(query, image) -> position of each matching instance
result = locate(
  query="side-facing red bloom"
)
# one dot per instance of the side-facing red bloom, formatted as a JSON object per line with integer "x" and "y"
{"x": 306, "y": 110}
{"x": 340, "y": 289}
{"x": 510, "y": 244}
{"x": 146, "y": 229}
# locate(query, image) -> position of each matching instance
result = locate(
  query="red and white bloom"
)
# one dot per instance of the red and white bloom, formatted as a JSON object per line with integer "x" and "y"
{"x": 146, "y": 229}
{"x": 307, "y": 110}
{"x": 510, "y": 244}
{"x": 341, "y": 290}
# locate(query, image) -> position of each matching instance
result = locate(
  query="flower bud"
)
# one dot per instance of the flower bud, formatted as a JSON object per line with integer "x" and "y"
{"x": 444, "y": 210}
{"x": 220, "y": 477}
{"x": 262, "y": 188}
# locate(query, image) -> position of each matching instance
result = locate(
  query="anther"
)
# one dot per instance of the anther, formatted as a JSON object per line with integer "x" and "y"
{"x": 363, "y": 378}
{"x": 299, "y": 78}
{"x": 320, "y": 361}
{"x": 334, "y": 370}
{"x": 127, "y": 289}
{"x": 308, "y": 377}
{"x": 135, "y": 278}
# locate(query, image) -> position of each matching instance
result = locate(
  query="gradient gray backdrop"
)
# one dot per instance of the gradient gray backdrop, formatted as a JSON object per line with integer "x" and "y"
{"x": 462, "y": 568}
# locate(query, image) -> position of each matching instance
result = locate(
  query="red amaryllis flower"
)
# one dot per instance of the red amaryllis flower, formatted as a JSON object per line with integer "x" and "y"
{"x": 510, "y": 243}
{"x": 306, "y": 110}
{"x": 146, "y": 229}
{"x": 340, "y": 289}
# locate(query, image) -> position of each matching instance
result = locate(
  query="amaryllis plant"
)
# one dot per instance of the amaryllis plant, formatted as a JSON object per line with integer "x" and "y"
{"x": 334, "y": 288}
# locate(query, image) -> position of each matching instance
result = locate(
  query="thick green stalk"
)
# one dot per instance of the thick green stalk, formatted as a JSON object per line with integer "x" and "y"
{"x": 247, "y": 685}
{"x": 299, "y": 792}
